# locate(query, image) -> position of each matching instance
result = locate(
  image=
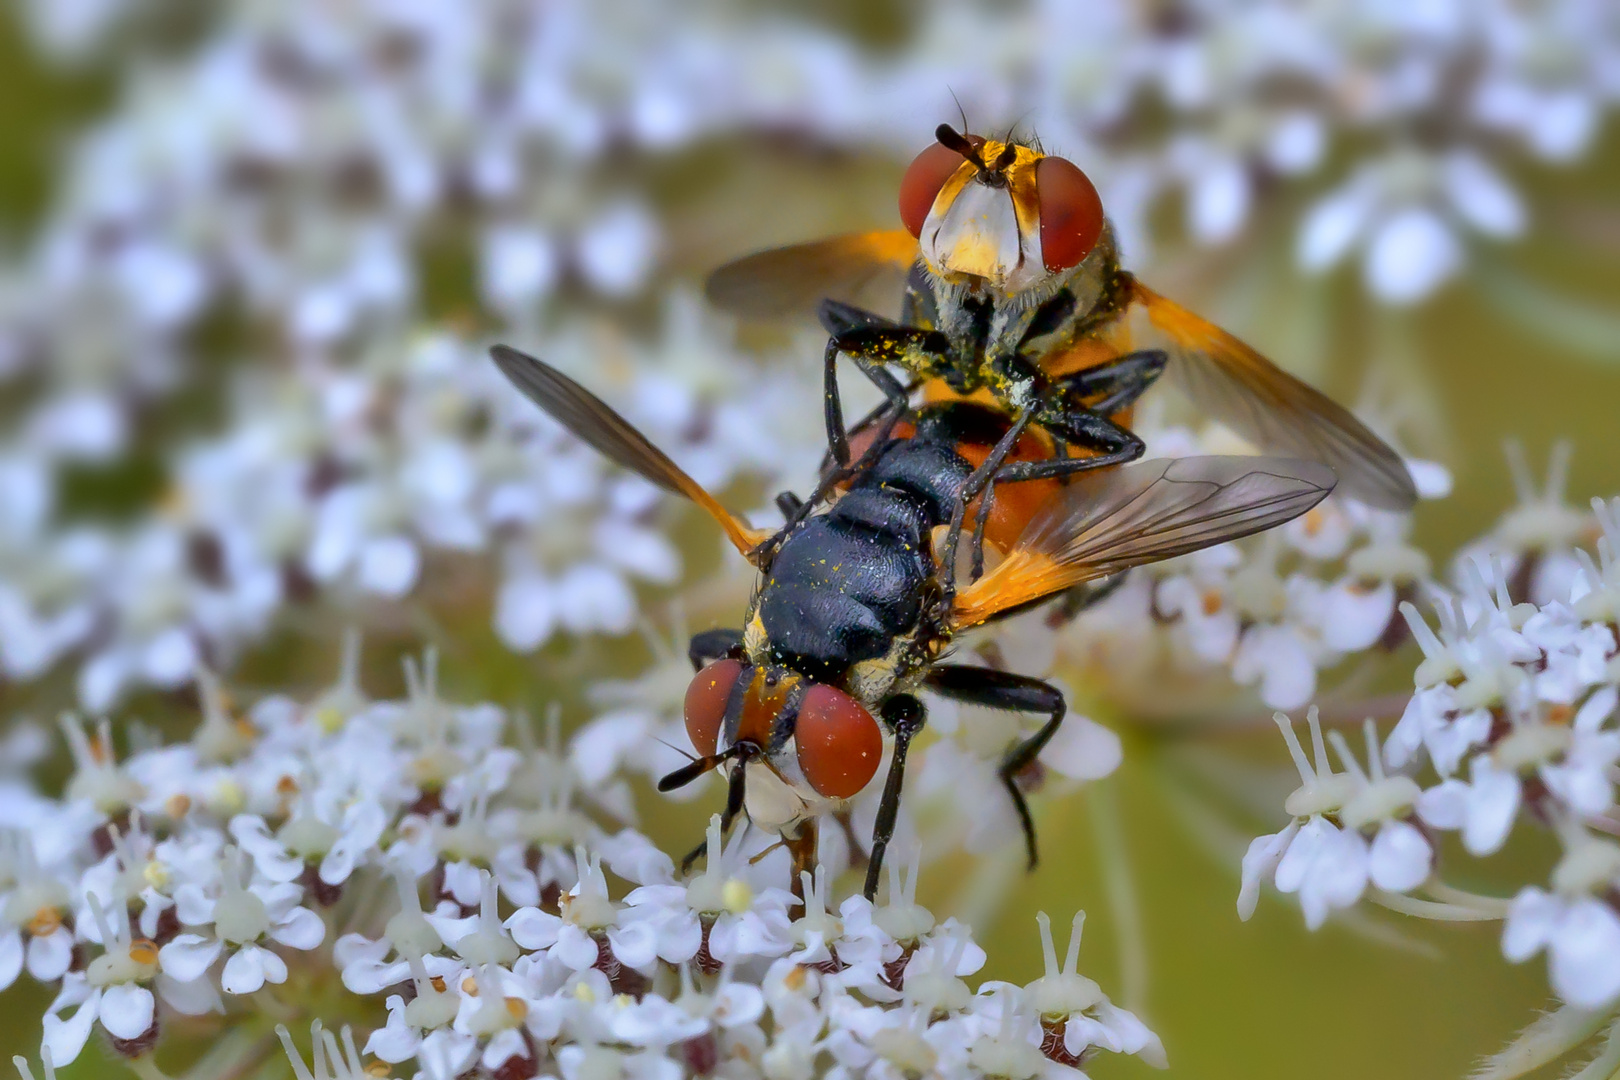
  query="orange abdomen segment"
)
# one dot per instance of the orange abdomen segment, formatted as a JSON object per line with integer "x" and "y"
{"x": 1014, "y": 504}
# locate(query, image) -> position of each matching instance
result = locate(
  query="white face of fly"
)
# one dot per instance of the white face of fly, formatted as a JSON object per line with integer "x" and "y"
{"x": 977, "y": 233}
{"x": 772, "y": 803}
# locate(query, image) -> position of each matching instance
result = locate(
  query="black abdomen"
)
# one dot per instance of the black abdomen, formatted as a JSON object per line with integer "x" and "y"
{"x": 847, "y": 583}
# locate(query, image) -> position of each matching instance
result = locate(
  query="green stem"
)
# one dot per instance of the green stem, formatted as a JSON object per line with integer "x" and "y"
{"x": 1429, "y": 909}
{"x": 1496, "y": 905}
{"x": 233, "y": 1053}
{"x": 1103, "y": 797}
{"x": 274, "y": 1007}
{"x": 146, "y": 1068}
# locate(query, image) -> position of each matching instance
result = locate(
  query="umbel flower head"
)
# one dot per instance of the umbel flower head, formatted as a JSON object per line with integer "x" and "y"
{"x": 1511, "y": 723}
{"x": 465, "y": 938}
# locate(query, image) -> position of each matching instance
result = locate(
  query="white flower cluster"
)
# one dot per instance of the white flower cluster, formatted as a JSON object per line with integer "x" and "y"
{"x": 298, "y": 166}
{"x": 406, "y": 864}
{"x": 1205, "y": 632}
{"x": 1514, "y": 718}
{"x": 340, "y": 482}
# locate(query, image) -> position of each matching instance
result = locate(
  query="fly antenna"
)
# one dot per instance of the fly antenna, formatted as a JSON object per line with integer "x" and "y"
{"x": 951, "y": 139}
{"x": 699, "y": 766}
{"x": 959, "y": 110}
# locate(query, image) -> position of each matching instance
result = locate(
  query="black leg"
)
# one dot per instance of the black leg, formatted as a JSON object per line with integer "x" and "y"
{"x": 708, "y": 646}
{"x": 789, "y": 504}
{"x": 837, "y": 317}
{"x": 905, "y": 716}
{"x": 832, "y": 407}
{"x": 1018, "y": 693}
{"x": 1082, "y": 597}
{"x": 694, "y": 855}
{"x": 899, "y": 398}
{"x": 1051, "y": 315}
{"x": 975, "y": 483}
{"x": 1115, "y": 384}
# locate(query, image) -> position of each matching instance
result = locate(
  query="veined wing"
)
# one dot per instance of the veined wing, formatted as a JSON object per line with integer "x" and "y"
{"x": 859, "y": 268}
{"x": 1113, "y": 519}
{"x": 1234, "y": 384}
{"x": 590, "y": 418}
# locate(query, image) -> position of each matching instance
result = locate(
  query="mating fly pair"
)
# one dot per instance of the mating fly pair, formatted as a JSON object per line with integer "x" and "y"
{"x": 855, "y": 607}
{"x": 1014, "y": 296}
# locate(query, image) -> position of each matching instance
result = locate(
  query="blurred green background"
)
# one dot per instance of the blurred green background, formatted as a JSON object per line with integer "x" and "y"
{"x": 1525, "y": 344}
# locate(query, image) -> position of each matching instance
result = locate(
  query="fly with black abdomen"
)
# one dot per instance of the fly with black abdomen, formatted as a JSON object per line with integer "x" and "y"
{"x": 856, "y": 605}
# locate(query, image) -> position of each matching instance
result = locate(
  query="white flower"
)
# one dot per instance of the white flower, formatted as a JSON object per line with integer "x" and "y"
{"x": 332, "y": 839}
{"x": 1576, "y": 922}
{"x": 1074, "y": 1009}
{"x": 239, "y": 916}
{"x": 111, "y": 992}
{"x": 590, "y": 926}
{"x": 1325, "y": 865}
{"x": 716, "y": 914}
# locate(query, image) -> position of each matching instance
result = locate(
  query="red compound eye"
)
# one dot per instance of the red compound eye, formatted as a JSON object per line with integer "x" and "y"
{"x": 924, "y": 177}
{"x": 1071, "y": 213}
{"x": 839, "y": 742}
{"x": 706, "y": 698}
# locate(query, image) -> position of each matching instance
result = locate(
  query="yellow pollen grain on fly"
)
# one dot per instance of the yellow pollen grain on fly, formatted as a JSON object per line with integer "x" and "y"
{"x": 469, "y": 986}
{"x": 437, "y": 982}
{"x": 44, "y": 922}
{"x": 144, "y": 951}
{"x": 177, "y": 806}
{"x": 1211, "y": 602}
{"x": 517, "y": 1008}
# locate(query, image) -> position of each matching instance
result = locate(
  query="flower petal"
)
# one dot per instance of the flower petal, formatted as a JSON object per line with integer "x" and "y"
{"x": 50, "y": 956}
{"x": 1400, "y": 857}
{"x": 127, "y": 1010}
{"x": 188, "y": 956}
{"x": 66, "y": 1038}
{"x": 244, "y": 971}
{"x": 1585, "y": 964}
{"x": 300, "y": 929}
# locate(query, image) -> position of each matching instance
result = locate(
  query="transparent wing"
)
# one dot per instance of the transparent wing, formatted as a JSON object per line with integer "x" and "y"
{"x": 1113, "y": 519}
{"x": 588, "y": 417}
{"x": 1234, "y": 384}
{"x": 865, "y": 269}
